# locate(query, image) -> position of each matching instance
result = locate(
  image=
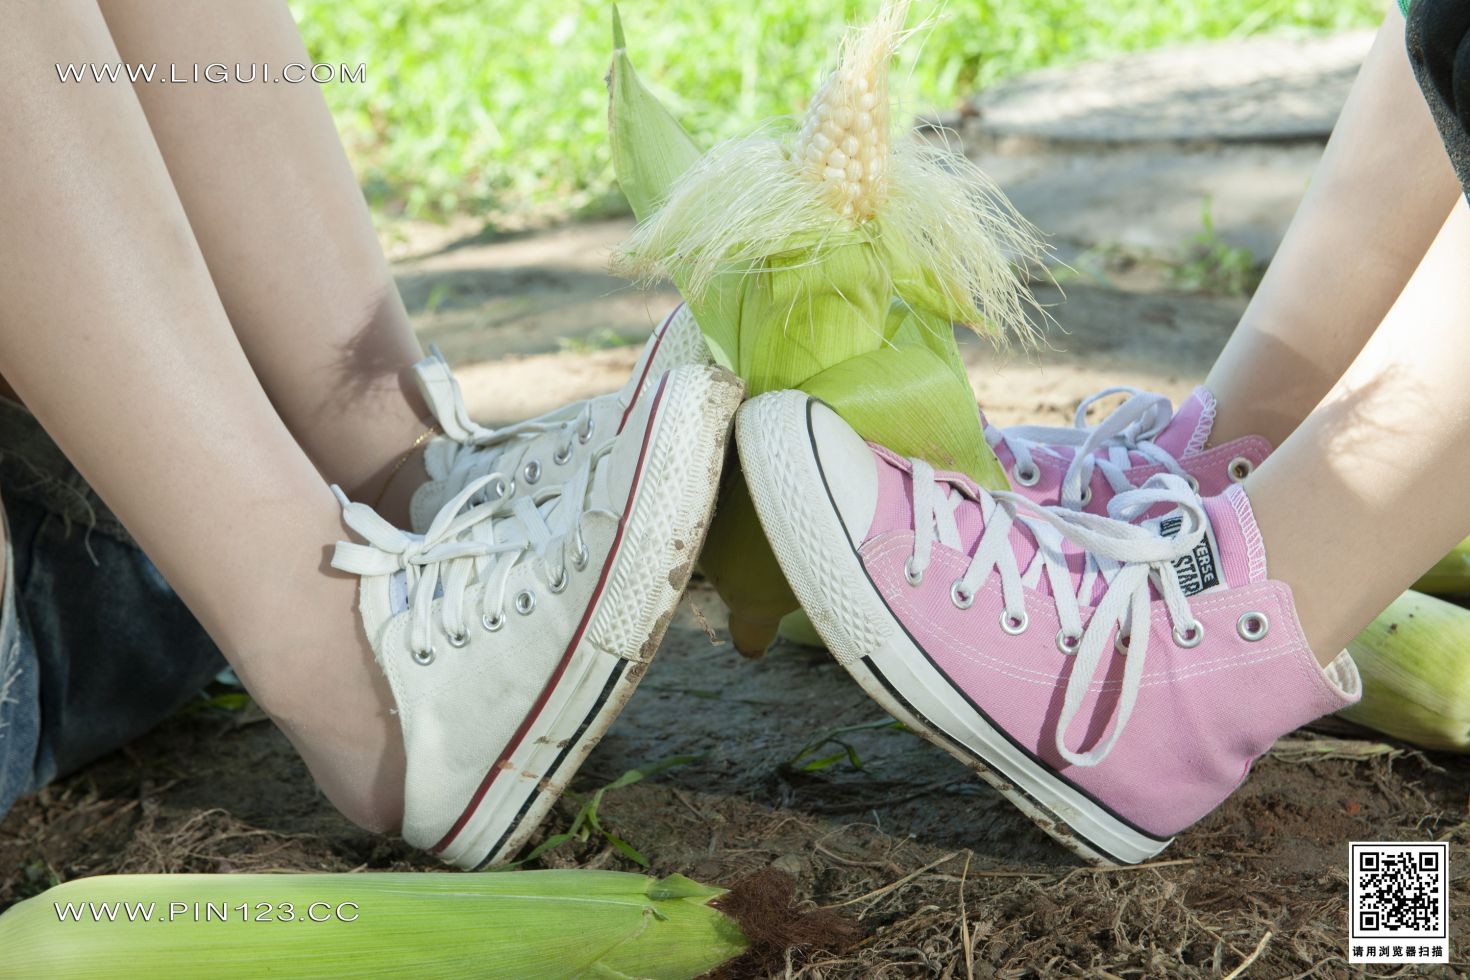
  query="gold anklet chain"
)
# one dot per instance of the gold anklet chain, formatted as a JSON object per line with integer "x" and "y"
{"x": 429, "y": 433}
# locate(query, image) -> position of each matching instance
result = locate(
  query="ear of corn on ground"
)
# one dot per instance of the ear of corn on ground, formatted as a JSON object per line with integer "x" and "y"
{"x": 1415, "y": 664}
{"x": 1450, "y": 575}
{"x": 828, "y": 256}
{"x": 513, "y": 925}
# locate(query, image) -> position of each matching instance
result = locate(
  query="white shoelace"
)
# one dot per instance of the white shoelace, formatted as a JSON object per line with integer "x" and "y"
{"x": 1127, "y": 556}
{"x": 480, "y": 448}
{"x": 469, "y": 543}
{"x": 1129, "y": 428}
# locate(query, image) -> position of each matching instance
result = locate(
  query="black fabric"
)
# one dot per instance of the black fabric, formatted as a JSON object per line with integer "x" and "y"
{"x": 1438, "y": 36}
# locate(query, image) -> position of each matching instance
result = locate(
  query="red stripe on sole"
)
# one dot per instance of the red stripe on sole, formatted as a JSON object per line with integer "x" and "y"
{"x": 496, "y": 770}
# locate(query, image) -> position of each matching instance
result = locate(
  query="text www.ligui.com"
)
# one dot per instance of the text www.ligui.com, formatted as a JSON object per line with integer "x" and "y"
{"x": 250, "y": 73}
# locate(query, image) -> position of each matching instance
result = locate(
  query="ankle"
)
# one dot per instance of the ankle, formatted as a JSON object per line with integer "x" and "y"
{"x": 1323, "y": 598}
{"x": 391, "y": 494}
{"x": 311, "y": 669}
{"x": 1238, "y": 417}
{"x": 363, "y": 777}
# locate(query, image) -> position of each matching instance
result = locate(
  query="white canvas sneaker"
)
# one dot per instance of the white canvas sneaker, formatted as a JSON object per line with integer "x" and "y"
{"x": 513, "y": 631}
{"x": 540, "y": 451}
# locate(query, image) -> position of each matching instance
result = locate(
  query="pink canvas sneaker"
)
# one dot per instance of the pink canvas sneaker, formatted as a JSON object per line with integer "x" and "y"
{"x": 1082, "y": 467}
{"x": 1115, "y": 680}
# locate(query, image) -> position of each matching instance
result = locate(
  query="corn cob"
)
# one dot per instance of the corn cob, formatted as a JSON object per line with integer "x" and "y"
{"x": 831, "y": 257}
{"x": 544, "y": 924}
{"x": 1450, "y": 575}
{"x": 1415, "y": 663}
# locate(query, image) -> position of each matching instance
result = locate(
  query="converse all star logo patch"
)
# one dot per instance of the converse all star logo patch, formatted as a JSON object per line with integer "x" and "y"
{"x": 1197, "y": 570}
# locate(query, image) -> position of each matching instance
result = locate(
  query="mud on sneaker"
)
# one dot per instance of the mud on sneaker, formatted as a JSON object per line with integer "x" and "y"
{"x": 1114, "y": 677}
{"x": 513, "y": 630}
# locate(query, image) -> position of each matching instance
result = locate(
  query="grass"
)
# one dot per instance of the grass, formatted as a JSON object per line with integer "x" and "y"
{"x": 588, "y": 823}
{"x": 1210, "y": 264}
{"x": 497, "y": 108}
{"x": 1205, "y": 263}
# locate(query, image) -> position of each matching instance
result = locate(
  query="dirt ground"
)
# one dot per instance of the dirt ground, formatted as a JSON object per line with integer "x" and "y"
{"x": 926, "y": 859}
{"x": 942, "y": 876}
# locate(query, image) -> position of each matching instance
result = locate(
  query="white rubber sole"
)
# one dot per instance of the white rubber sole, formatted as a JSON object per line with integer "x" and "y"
{"x": 792, "y": 498}
{"x": 664, "y": 525}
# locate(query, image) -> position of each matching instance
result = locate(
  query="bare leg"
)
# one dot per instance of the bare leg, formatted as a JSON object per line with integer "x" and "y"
{"x": 113, "y": 334}
{"x": 286, "y": 234}
{"x": 1376, "y": 202}
{"x": 1369, "y": 490}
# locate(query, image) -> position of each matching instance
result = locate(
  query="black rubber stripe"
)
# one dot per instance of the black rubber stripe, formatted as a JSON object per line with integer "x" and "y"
{"x": 515, "y": 823}
{"x": 941, "y": 733}
{"x": 812, "y": 438}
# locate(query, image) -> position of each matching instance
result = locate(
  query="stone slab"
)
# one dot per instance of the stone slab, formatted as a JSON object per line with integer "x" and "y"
{"x": 1268, "y": 88}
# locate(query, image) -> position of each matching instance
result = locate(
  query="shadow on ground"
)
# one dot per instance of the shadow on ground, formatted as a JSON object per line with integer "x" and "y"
{"x": 900, "y": 836}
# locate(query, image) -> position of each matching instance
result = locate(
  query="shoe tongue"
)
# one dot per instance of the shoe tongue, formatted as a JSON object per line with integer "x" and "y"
{"x": 1189, "y": 429}
{"x": 439, "y": 456}
{"x": 1229, "y": 555}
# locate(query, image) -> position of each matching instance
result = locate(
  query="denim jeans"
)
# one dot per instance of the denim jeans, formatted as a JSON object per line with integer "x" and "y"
{"x": 1438, "y": 37}
{"x": 95, "y": 648}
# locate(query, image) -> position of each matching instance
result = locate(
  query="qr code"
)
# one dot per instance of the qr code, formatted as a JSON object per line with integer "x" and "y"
{"x": 1399, "y": 902}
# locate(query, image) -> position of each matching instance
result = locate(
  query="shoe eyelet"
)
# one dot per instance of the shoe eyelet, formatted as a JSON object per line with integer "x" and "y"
{"x": 423, "y": 657}
{"x": 1252, "y": 626}
{"x": 1193, "y": 483}
{"x": 581, "y": 556}
{"x": 492, "y": 624}
{"x": 1027, "y": 477}
{"x": 558, "y": 582}
{"x": 525, "y": 602}
{"x": 458, "y": 640}
{"x": 911, "y": 574}
{"x": 1240, "y": 468}
{"x": 503, "y": 488}
{"x": 1120, "y": 643}
{"x": 586, "y": 436}
{"x": 1086, "y": 496}
{"x": 1189, "y": 636}
{"x": 532, "y": 471}
{"x": 961, "y": 598}
{"x": 562, "y": 455}
{"x": 1068, "y": 644}
{"x": 1014, "y": 626}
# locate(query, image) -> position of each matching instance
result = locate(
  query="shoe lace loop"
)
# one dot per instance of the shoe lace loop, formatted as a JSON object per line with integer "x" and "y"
{"x": 480, "y": 449}
{"x": 468, "y": 545}
{"x": 1129, "y": 558}
{"x": 1105, "y": 447}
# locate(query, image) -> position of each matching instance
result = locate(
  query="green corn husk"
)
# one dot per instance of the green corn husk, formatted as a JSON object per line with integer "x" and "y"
{"x": 1415, "y": 663}
{"x": 935, "y": 419}
{"x": 803, "y": 278}
{"x": 798, "y": 629}
{"x": 650, "y": 151}
{"x": 1450, "y": 575}
{"x": 738, "y": 561}
{"x": 512, "y": 925}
